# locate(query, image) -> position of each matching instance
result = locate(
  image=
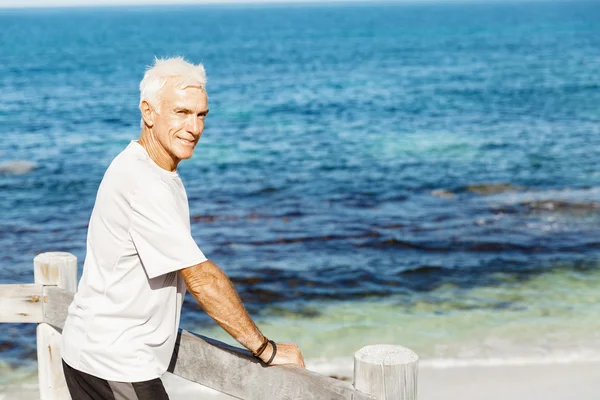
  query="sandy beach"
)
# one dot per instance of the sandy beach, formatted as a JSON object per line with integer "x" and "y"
{"x": 579, "y": 381}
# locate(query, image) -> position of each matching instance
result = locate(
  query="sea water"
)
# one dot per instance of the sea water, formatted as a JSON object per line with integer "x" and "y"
{"x": 415, "y": 174}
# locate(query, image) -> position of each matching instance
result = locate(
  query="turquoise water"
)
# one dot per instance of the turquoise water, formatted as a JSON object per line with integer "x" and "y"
{"x": 424, "y": 175}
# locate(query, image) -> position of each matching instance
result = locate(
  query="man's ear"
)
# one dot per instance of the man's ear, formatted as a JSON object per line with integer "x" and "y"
{"x": 147, "y": 113}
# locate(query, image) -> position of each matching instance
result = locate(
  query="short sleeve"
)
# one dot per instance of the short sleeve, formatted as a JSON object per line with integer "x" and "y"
{"x": 160, "y": 230}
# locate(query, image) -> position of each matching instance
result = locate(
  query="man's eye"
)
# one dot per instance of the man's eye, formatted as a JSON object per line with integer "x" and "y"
{"x": 180, "y": 112}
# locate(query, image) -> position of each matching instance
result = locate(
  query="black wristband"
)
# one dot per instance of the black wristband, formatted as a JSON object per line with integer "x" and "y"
{"x": 274, "y": 352}
{"x": 262, "y": 348}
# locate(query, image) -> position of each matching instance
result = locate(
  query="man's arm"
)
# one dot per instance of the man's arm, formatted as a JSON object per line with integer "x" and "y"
{"x": 213, "y": 290}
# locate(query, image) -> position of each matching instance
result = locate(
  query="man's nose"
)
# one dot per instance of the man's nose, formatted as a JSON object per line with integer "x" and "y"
{"x": 195, "y": 125}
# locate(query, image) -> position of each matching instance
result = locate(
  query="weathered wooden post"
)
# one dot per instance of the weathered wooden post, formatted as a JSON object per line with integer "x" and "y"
{"x": 52, "y": 269}
{"x": 387, "y": 372}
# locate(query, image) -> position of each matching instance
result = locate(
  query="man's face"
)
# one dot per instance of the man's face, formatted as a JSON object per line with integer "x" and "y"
{"x": 180, "y": 120}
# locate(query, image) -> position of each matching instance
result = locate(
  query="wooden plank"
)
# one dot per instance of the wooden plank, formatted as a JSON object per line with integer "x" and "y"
{"x": 56, "y": 305}
{"x": 50, "y": 372}
{"x": 20, "y": 303}
{"x": 235, "y": 372}
{"x": 386, "y": 372}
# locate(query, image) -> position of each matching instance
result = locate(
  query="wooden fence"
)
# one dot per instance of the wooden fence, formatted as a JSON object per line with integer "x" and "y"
{"x": 380, "y": 371}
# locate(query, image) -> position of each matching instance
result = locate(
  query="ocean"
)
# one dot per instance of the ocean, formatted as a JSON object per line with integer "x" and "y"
{"x": 415, "y": 174}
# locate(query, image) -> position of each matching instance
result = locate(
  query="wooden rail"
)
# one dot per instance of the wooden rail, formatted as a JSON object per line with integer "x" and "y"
{"x": 381, "y": 372}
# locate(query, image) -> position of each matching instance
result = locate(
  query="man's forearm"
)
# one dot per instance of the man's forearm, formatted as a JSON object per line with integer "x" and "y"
{"x": 213, "y": 290}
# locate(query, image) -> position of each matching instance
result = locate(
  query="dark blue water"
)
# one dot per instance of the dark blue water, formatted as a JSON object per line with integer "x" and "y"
{"x": 352, "y": 152}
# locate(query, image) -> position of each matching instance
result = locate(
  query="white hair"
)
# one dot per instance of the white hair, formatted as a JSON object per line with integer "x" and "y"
{"x": 182, "y": 73}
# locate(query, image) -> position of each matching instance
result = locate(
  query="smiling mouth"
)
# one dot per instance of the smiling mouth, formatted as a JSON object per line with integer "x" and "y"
{"x": 187, "y": 142}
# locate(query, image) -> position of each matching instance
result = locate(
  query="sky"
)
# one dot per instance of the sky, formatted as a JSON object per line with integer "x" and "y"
{"x": 61, "y": 3}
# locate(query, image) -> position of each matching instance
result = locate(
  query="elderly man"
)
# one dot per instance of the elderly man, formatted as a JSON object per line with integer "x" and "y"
{"x": 121, "y": 328}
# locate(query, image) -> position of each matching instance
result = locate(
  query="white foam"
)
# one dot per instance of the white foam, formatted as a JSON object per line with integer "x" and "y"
{"x": 558, "y": 357}
{"x": 17, "y": 167}
{"x": 343, "y": 367}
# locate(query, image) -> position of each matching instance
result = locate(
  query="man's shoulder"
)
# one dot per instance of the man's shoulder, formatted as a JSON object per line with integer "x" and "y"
{"x": 133, "y": 174}
{"x": 133, "y": 166}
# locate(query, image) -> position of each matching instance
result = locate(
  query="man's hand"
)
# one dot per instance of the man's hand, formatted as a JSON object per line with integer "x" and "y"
{"x": 287, "y": 353}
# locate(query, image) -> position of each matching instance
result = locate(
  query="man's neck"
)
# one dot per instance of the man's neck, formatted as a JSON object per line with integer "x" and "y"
{"x": 156, "y": 152}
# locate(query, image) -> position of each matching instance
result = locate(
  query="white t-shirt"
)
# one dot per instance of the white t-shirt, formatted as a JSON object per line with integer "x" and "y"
{"x": 123, "y": 321}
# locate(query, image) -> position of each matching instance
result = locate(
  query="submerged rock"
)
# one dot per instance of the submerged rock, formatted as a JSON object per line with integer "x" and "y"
{"x": 485, "y": 189}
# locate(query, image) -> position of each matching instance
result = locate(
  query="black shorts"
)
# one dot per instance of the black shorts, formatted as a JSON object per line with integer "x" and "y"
{"x": 84, "y": 386}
